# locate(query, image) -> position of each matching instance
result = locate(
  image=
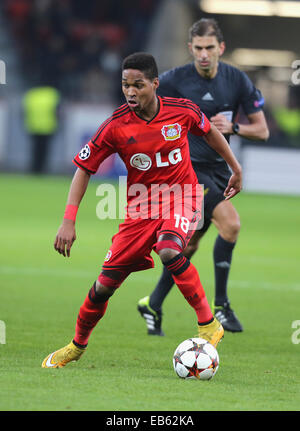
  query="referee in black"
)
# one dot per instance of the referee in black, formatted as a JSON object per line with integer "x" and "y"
{"x": 219, "y": 90}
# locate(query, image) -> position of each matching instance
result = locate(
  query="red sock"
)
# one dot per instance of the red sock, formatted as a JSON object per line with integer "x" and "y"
{"x": 89, "y": 315}
{"x": 188, "y": 281}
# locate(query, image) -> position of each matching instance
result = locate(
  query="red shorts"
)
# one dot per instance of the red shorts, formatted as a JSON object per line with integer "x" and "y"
{"x": 132, "y": 246}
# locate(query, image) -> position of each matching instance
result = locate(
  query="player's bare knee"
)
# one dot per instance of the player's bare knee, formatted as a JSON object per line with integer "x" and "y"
{"x": 230, "y": 229}
{"x": 166, "y": 254}
{"x": 168, "y": 246}
{"x": 105, "y": 292}
{"x": 235, "y": 227}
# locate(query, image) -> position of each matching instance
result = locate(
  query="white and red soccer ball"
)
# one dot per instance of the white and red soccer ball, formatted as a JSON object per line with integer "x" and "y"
{"x": 196, "y": 358}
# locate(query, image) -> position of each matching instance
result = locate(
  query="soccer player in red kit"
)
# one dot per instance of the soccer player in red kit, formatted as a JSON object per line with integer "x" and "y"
{"x": 150, "y": 135}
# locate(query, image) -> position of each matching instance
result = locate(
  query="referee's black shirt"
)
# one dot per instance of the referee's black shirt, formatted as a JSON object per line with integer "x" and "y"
{"x": 225, "y": 93}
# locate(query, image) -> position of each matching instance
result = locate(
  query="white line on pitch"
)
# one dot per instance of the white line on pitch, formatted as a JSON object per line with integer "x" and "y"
{"x": 35, "y": 271}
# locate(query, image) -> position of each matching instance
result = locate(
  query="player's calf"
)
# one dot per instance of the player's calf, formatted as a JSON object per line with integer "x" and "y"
{"x": 187, "y": 279}
{"x": 227, "y": 221}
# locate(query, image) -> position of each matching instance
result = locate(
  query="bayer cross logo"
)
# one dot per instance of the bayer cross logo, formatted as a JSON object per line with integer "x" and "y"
{"x": 171, "y": 131}
{"x": 85, "y": 152}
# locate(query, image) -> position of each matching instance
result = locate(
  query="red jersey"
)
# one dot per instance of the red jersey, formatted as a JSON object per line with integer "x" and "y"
{"x": 155, "y": 152}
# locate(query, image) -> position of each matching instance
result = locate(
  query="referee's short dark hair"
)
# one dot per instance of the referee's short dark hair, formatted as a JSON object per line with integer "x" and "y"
{"x": 206, "y": 27}
{"x": 141, "y": 61}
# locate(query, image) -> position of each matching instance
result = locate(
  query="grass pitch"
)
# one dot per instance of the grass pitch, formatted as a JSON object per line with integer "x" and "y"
{"x": 123, "y": 368}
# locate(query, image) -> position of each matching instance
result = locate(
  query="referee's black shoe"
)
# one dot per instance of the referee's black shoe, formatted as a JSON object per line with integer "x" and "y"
{"x": 153, "y": 318}
{"x": 227, "y": 318}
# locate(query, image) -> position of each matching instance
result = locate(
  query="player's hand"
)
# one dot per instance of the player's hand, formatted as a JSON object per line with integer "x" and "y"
{"x": 65, "y": 237}
{"x": 222, "y": 124}
{"x": 234, "y": 185}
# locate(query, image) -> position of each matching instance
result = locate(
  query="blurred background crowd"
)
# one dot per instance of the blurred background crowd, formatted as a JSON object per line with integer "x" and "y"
{"x": 75, "y": 47}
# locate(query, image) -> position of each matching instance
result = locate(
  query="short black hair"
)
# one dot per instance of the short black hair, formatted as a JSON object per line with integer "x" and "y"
{"x": 206, "y": 27}
{"x": 141, "y": 61}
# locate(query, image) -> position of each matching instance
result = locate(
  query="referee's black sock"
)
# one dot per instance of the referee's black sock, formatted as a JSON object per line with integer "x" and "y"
{"x": 222, "y": 261}
{"x": 161, "y": 290}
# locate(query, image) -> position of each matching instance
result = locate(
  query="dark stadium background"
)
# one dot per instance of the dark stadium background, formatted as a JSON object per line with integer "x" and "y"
{"x": 78, "y": 46}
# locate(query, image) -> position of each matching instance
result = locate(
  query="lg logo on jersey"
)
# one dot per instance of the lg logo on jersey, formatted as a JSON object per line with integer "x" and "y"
{"x": 143, "y": 162}
{"x": 174, "y": 157}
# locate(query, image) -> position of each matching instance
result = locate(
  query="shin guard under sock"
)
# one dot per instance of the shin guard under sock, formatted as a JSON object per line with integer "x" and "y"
{"x": 187, "y": 279}
{"x": 91, "y": 311}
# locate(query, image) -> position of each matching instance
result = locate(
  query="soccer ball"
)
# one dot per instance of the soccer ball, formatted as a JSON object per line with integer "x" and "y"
{"x": 196, "y": 358}
{"x": 85, "y": 152}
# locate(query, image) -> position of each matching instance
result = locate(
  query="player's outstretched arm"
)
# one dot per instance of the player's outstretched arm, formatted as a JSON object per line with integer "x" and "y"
{"x": 217, "y": 141}
{"x": 66, "y": 234}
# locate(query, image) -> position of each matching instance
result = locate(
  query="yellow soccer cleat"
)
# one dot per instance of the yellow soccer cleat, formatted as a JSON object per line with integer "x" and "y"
{"x": 62, "y": 357}
{"x": 213, "y": 332}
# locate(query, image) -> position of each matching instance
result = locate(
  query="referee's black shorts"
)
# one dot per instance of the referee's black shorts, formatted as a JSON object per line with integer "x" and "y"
{"x": 214, "y": 177}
